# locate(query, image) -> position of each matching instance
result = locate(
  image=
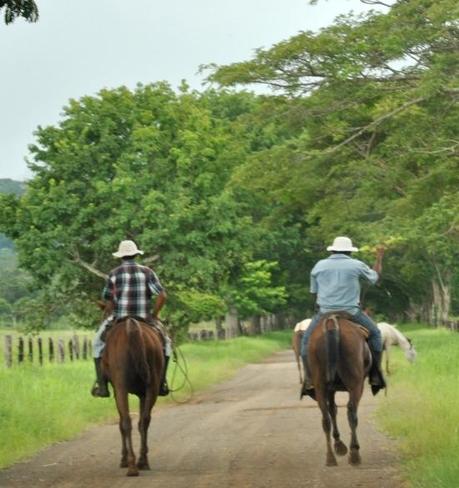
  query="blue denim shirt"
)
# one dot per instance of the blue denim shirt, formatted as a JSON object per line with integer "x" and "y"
{"x": 336, "y": 280}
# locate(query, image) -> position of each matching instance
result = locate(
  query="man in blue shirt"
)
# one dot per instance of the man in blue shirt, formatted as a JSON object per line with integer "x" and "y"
{"x": 336, "y": 282}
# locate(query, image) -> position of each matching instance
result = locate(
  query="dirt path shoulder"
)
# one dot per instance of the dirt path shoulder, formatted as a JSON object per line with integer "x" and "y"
{"x": 250, "y": 432}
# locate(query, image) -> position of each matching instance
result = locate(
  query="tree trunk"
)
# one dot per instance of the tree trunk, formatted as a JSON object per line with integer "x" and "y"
{"x": 219, "y": 327}
{"x": 441, "y": 302}
{"x": 441, "y": 296}
{"x": 232, "y": 323}
{"x": 254, "y": 325}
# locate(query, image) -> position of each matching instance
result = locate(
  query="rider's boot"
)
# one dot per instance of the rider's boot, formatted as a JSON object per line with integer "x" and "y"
{"x": 163, "y": 387}
{"x": 307, "y": 388}
{"x": 377, "y": 380}
{"x": 100, "y": 388}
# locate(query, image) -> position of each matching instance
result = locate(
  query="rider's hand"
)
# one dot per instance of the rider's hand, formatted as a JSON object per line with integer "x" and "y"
{"x": 380, "y": 251}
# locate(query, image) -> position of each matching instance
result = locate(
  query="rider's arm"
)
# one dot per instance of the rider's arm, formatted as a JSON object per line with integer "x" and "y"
{"x": 379, "y": 257}
{"x": 372, "y": 275}
{"x": 160, "y": 301}
{"x": 157, "y": 289}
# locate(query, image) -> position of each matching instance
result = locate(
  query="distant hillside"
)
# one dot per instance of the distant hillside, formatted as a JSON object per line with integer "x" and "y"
{"x": 17, "y": 188}
{"x": 11, "y": 186}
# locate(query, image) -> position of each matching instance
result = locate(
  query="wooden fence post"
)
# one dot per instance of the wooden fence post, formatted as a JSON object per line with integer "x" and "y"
{"x": 30, "y": 341}
{"x": 20, "y": 350}
{"x": 85, "y": 347}
{"x": 76, "y": 344}
{"x": 50, "y": 349}
{"x": 40, "y": 351}
{"x": 8, "y": 351}
{"x": 61, "y": 349}
{"x": 71, "y": 352}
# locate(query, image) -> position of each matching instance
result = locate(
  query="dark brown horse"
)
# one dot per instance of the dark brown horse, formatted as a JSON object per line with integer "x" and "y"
{"x": 133, "y": 362}
{"x": 339, "y": 360}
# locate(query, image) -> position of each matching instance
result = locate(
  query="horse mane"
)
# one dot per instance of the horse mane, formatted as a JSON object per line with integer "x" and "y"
{"x": 395, "y": 337}
{"x": 332, "y": 343}
{"x": 391, "y": 332}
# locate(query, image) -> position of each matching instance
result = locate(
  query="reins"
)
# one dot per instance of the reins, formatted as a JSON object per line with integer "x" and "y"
{"x": 182, "y": 365}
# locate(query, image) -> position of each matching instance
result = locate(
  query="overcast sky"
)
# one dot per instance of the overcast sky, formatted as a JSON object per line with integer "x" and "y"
{"x": 79, "y": 47}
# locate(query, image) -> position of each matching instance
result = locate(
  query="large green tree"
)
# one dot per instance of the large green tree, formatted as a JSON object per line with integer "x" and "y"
{"x": 378, "y": 156}
{"x": 149, "y": 165}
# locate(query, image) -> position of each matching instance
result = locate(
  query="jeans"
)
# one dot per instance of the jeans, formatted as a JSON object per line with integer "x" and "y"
{"x": 98, "y": 344}
{"x": 374, "y": 341}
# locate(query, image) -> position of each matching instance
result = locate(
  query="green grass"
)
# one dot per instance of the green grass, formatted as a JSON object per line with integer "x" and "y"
{"x": 42, "y": 405}
{"x": 422, "y": 408}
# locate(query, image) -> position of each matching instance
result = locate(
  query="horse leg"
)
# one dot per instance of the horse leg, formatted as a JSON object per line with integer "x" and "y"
{"x": 127, "y": 453}
{"x": 326, "y": 425}
{"x": 299, "y": 367}
{"x": 387, "y": 360}
{"x": 352, "y": 406}
{"x": 146, "y": 404}
{"x": 340, "y": 447}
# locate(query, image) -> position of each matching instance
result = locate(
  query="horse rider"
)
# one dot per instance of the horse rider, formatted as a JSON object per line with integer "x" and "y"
{"x": 127, "y": 293}
{"x": 336, "y": 283}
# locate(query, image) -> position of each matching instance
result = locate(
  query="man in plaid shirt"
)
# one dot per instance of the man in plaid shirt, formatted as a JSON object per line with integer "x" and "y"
{"x": 130, "y": 288}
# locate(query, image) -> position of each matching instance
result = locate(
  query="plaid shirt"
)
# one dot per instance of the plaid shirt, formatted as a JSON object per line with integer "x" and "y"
{"x": 130, "y": 287}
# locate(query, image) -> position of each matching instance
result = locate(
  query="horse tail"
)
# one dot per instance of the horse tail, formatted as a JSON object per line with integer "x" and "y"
{"x": 137, "y": 350}
{"x": 332, "y": 346}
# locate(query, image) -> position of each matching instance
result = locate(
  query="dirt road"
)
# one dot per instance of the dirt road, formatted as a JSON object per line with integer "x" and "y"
{"x": 250, "y": 432}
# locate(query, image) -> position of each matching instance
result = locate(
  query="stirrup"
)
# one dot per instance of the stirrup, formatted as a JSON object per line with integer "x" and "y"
{"x": 164, "y": 389}
{"x": 97, "y": 391}
{"x": 307, "y": 390}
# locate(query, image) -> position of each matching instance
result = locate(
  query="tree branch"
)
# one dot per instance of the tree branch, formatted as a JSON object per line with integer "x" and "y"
{"x": 375, "y": 123}
{"x": 89, "y": 267}
{"x": 376, "y": 2}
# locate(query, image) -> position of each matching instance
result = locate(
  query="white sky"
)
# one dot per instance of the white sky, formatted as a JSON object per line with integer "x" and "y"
{"x": 79, "y": 47}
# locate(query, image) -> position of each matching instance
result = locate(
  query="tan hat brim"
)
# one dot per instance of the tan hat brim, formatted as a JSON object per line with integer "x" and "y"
{"x": 123, "y": 255}
{"x": 352, "y": 249}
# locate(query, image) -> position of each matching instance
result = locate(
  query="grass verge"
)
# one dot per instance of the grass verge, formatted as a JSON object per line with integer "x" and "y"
{"x": 421, "y": 409}
{"x": 42, "y": 405}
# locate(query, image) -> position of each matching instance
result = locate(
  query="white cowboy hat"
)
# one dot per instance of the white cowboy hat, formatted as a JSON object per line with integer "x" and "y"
{"x": 127, "y": 248}
{"x": 342, "y": 244}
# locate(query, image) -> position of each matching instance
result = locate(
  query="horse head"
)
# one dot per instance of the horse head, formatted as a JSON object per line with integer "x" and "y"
{"x": 106, "y": 307}
{"x": 410, "y": 353}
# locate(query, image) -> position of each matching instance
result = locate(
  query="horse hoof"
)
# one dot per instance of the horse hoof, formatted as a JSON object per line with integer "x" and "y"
{"x": 331, "y": 461}
{"x": 144, "y": 466}
{"x": 354, "y": 458}
{"x": 133, "y": 471}
{"x": 340, "y": 448}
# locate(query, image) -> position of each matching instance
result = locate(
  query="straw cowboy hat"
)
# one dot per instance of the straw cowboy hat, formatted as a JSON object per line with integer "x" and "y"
{"x": 342, "y": 244}
{"x": 127, "y": 248}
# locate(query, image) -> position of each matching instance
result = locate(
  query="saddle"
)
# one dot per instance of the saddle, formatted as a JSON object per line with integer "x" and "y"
{"x": 335, "y": 316}
{"x": 155, "y": 324}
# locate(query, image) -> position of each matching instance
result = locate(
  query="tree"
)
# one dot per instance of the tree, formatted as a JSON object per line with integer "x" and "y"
{"x": 150, "y": 165}
{"x": 378, "y": 153}
{"x": 26, "y": 9}
{"x": 255, "y": 293}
